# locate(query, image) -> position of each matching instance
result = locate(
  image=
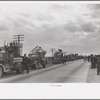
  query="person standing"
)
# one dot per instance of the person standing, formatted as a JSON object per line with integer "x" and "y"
{"x": 98, "y": 66}
{"x": 64, "y": 60}
{"x": 92, "y": 61}
{"x": 25, "y": 63}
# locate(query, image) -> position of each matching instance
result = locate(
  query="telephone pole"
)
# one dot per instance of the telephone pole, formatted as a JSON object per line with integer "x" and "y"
{"x": 18, "y": 39}
{"x": 52, "y": 50}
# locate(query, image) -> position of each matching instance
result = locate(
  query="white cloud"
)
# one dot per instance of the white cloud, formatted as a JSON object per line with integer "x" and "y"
{"x": 67, "y": 26}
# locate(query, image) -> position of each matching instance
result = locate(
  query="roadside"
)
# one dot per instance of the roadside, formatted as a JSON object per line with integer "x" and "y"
{"x": 79, "y": 73}
{"x": 58, "y": 73}
{"x": 92, "y": 76}
{"x": 13, "y": 73}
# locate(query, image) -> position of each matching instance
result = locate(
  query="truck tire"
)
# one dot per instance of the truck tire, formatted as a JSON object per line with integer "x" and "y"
{"x": 1, "y": 72}
{"x": 44, "y": 65}
{"x": 36, "y": 65}
{"x": 20, "y": 70}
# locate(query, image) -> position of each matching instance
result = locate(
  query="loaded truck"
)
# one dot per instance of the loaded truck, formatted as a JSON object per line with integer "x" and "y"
{"x": 10, "y": 59}
{"x": 58, "y": 56}
{"x": 36, "y": 58}
{"x": 61, "y": 57}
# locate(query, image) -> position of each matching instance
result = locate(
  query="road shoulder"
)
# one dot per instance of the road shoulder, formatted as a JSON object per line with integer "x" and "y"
{"x": 92, "y": 76}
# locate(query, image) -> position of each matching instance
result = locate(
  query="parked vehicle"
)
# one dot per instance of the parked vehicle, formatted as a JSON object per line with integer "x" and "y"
{"x": 58, "y": 56}
{"x": 37, "y": 58}
{"x": 10, "y": 59}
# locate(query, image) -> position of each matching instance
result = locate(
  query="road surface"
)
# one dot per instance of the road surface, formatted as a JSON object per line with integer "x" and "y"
{"x": 71, "y": 72}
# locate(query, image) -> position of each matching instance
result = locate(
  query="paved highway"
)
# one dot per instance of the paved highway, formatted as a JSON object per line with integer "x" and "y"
{"x": 71, "y": 72}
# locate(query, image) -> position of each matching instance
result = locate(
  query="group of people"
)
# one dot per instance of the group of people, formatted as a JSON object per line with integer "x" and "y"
{"x": 95, "y": 62}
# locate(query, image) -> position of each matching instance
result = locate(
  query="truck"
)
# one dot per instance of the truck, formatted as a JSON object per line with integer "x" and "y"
{"x": 58, "y": 56}
{"x": 36, "y": 58}
{"x": 10, "y": 59}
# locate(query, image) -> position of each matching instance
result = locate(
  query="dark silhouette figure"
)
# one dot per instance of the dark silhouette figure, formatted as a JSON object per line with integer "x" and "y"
{"x": 25, "y": 63}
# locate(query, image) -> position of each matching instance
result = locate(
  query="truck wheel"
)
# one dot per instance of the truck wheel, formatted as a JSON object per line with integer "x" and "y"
{"x": 36, "y": 66}
{"x": 1, "y": 72}
{"x": 44, "y": 66}
{"x": 20, "y": 70}
{"x": 17, "y": 71}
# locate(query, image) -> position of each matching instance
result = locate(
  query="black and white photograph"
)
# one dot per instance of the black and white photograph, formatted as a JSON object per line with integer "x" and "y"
{"x": 49, "y": 42}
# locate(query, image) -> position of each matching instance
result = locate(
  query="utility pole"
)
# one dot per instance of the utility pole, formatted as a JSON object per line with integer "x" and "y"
{"x": 52, "y": 50}
{"x": 4, "y": 43}
{"x": 18, "y": 39}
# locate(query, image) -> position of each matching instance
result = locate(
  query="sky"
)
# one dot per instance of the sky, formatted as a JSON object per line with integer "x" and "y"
{"x": 74, "y": 28}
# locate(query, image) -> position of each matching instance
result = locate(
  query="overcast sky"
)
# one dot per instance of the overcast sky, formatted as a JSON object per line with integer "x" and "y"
{"x": 74, "y": 28}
